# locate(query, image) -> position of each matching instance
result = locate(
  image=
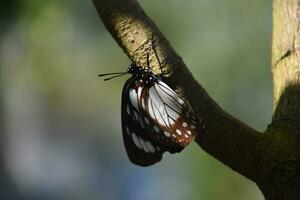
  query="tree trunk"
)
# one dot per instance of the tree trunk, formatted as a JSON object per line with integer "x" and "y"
{"x": 283, "y": 179}
{"x": 270, "y": 159}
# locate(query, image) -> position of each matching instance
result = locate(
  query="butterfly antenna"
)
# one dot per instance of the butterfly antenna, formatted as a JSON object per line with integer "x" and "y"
{"x": 148, "y": 52}
{"x": 117, "y": 74}
{"x": 148, "y": 61}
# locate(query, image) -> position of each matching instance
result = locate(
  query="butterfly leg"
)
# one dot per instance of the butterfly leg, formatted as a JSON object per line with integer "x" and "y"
{"x": 148, "y": 51}
{"x": 156, "y": 55}
{"x": 148, "y": 61}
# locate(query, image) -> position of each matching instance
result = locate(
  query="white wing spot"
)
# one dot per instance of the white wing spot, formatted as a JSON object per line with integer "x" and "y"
{"x": 171, "y": 121}
{"x": 150, "y": 146}
{"x": 193, "y": 126}
{"x": 185, "y": 135}
{"x": 178, "y": 132}
{"x": 156, "y": 129}
{"x": 133, "y": 98}
{"x": 180, "y": 101}
{"x": 127, "y": 131}
{"x": 128, "y": 110}
{"x": 174, "y": 135}
{"x": 139, "y": 92}
{"x": 167, "y": 134}
{"x": 158, "y": 149}
{"x": 151, "y": 112}
{"x": 136, "y": 141}
{"x": 147, "y": 120}
{"x": 189, "y": 132}
{"x": 136, "y": 115}
{"x": 143, "y": 103}
{"x": 144, "y": 145}
{"x": 184, "y": 124}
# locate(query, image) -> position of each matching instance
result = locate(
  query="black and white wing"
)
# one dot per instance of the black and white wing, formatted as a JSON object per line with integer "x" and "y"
{"x": 171, "y": 123}
{"x": 140, "y": 148}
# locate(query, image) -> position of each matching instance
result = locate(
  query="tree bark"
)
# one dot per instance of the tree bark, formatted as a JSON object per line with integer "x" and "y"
{"x": 283, "y": 179}
{"x": 270, "y": 159}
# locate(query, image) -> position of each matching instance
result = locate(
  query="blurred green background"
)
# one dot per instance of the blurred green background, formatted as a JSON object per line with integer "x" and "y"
{"x": 61, "y": 127}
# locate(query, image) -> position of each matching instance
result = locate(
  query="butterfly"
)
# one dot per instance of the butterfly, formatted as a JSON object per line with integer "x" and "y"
{"x": 154, "y": 118}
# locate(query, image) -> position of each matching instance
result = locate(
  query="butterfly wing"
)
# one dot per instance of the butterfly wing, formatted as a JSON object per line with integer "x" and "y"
{"x": 167, "y": 116}
{"x": 140, "y": 148}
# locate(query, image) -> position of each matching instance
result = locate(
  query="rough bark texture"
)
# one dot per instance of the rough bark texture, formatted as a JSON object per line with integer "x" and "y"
{"x": 270, "y": 159}
{"x": 283, "y": 179}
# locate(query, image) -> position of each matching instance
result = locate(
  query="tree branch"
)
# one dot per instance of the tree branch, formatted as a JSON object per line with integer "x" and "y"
{"x": 221, "y": 135}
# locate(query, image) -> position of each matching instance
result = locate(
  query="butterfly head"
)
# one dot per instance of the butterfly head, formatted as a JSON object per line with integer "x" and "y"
{"x": 145, "y": 75}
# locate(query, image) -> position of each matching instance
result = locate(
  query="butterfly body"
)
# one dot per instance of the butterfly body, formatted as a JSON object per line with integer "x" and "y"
{"x": 144, "y": 75}
{"x": 154, "y": 118}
